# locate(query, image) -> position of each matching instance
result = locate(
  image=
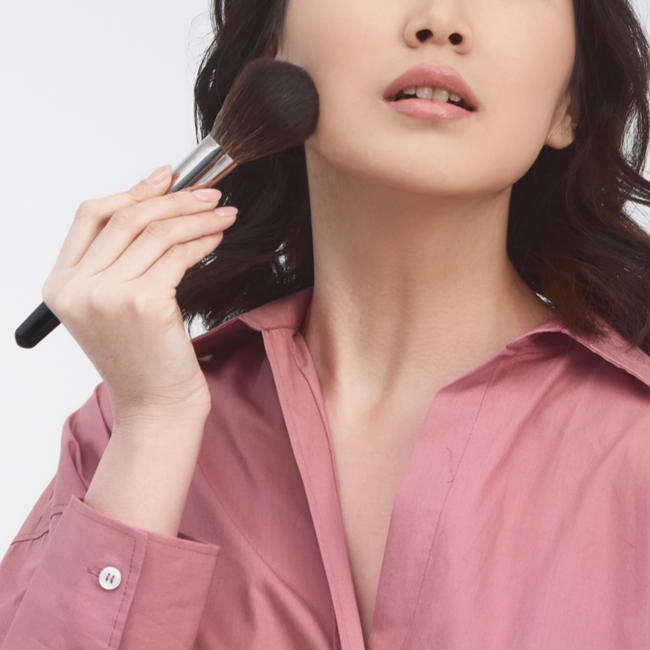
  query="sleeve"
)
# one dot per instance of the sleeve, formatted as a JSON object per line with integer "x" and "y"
{"x": 75, "y": 579}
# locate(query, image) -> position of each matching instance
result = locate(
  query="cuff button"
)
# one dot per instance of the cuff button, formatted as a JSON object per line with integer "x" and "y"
{"x": 110, "y": 578}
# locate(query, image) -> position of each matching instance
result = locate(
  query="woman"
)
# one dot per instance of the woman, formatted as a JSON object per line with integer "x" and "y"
{"x": 420, "y": 419}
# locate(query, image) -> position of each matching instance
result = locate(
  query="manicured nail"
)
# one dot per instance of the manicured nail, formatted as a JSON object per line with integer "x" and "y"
{"x": 209, "y": 196}
{"x": 159, "y": 175}
{"x": 227, "y": 211}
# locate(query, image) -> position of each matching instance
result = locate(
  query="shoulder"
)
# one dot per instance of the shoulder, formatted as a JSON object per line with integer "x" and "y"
{"x": 612, "y": 367}
{"x": 614, "y": 401}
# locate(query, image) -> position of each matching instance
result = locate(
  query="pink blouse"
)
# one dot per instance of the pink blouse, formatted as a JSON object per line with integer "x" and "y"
{"x": 522, "y": 521}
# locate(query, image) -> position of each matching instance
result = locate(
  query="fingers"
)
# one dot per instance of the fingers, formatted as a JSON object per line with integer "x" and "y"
{"x": 158, "y": 237}
{"x": 152, "y": 295}
{"x": 92, "y": 216}
{"x": 170, "y": 268}
{"x": 126, "y": 225}
{"x": 136, "y": 245}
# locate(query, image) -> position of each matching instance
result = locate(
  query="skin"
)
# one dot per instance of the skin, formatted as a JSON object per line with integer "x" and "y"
{"x": 413, "y": 287}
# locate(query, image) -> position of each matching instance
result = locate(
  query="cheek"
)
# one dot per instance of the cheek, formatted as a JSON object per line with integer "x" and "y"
{"x": 342, "y": 44}
{"x": 318, "y": 36}
{"x": 534, "y": 55}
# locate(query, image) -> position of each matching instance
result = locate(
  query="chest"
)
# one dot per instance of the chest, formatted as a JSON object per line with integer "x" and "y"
{"x": 369, "y": 475}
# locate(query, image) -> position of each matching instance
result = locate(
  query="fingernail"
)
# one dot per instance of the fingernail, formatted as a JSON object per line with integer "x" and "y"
{"x": 209, "y": 196}
{"x": 159, "y": 175}
{"x": 227, "y": 211}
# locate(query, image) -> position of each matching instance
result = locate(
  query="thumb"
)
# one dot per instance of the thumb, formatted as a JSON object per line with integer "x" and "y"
{"x": 156, "y": 184}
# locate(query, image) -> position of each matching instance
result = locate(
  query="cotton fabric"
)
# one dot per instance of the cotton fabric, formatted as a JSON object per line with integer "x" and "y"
{"x": 522, "y": 520}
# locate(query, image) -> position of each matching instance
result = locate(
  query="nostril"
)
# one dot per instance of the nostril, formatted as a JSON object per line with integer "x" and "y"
{"x": 456, "y": 39}
{"x": 424, "y": 34}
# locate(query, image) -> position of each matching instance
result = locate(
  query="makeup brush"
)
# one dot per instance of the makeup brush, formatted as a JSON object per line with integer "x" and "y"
{"x": 272, "y": 106}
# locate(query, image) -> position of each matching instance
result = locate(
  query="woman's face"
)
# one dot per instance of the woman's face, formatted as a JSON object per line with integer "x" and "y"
{"x": 516, "y": 56}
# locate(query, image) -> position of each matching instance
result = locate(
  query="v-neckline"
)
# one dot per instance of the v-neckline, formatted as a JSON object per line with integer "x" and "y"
{"x": 420, "y": 498}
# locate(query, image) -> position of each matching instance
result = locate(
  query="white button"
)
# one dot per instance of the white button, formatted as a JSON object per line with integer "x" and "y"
{"x": 110, "y": 578}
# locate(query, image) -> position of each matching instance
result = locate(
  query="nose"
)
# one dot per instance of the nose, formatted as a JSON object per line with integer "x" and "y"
{"x": 424, "y": 35}
{"x": 441, "y": 24}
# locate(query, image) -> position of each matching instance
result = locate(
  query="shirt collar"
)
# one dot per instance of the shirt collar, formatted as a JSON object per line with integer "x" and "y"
{"x": 288, "y": 313}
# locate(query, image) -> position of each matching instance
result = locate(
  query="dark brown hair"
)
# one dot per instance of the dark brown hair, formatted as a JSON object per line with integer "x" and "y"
{"x": 570, "y": 235}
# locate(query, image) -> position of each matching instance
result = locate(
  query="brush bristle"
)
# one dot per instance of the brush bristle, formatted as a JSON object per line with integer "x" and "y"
{"x": 272, "y": 106}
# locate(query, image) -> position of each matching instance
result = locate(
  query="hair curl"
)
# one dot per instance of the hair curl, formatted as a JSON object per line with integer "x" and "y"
{"x": 570, "y": 236}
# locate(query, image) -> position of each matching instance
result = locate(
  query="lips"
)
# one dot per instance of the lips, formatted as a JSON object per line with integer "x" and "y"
{"x": 437, "y": 77}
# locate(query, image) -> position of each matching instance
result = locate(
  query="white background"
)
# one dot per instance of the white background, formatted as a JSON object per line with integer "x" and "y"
{"x": 95, "y": 96}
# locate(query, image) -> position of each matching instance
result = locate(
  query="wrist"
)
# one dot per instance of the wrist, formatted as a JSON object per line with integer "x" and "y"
{"x": 159, "y": 430}
{"x": 142, "y": 400}
{"x": 150, "y": 414}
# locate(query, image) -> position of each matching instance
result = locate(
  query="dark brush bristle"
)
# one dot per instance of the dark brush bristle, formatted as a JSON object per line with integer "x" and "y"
{"x": 272, "y": 106}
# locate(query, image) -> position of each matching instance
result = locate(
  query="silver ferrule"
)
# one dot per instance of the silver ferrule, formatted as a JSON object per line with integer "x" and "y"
{"x": 206, "y": 165}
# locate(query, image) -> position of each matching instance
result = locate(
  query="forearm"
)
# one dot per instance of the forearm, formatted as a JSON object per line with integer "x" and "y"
{"x": 145, "y": 473}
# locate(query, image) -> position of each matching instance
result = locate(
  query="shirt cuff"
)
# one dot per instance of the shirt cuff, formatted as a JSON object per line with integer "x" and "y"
{"x": 104, "y": 584}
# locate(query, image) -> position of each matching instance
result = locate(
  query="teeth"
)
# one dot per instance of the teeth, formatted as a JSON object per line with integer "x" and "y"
{"x": 431, "y": 93}
{"x": 424, "y": 92}
{"x": 435, "y": 94}
{"x": 440, "y": 95}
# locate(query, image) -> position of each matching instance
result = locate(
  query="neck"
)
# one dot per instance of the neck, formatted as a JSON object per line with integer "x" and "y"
{"x": 409, "y": 290}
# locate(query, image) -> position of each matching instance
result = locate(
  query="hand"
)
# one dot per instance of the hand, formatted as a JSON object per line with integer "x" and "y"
{"x": 113, "y": 287}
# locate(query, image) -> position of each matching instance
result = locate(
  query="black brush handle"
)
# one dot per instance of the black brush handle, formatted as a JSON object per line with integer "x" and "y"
{"x": 36, "y": 326}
